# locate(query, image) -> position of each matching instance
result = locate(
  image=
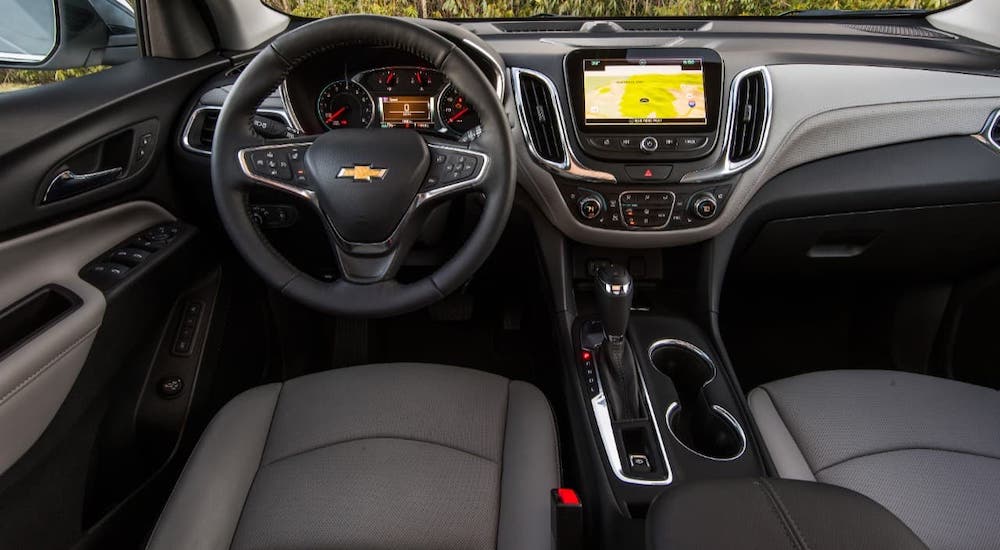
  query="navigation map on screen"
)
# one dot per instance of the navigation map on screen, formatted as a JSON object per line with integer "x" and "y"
{"x": 644, "y": 92}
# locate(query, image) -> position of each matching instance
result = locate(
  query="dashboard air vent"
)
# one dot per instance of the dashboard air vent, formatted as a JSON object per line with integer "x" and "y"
{"x": 995, "y": 131}
{"x": 749, "y": 116}
{"x": 905, "y": 31}
{"x": 542, "y": 25}
{"x": 663, "y": 26}
{"x": 539, "y": 116}
{"x": 200, "y": 130}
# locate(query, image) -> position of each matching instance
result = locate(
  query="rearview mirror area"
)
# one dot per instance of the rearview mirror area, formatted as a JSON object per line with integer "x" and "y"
{"x": 48, "y": 35}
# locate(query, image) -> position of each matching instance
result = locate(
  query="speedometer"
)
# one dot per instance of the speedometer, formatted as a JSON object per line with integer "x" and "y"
{"x": 345, "y": 104}
{"x": 456, "y": 112}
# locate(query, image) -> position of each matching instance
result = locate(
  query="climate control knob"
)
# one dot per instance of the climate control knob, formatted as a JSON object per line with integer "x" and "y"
{"x": 704, "y": 206}
{"x": 590, "y": 207}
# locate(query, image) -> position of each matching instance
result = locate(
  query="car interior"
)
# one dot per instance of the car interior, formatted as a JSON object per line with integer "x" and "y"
{"x": 556, "y": 282}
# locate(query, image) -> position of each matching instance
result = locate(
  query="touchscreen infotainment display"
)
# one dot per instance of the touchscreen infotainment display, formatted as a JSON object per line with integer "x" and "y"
{"x": 644, "y": 92}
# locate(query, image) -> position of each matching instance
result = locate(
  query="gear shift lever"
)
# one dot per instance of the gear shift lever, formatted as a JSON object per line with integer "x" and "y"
{"x": 615, "y": 361}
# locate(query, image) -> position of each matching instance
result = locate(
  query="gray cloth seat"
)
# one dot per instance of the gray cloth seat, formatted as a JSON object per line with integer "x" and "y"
{"x": 382, "y": 456}
{"x": 926, "y": 448}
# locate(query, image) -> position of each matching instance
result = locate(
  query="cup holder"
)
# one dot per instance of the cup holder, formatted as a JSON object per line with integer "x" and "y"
{"x": 704, "y": 428}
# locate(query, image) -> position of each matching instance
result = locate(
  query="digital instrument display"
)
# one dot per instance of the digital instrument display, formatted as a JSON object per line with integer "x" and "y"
{"x": 406, "y": 111}
{"x": 644, "y": 92}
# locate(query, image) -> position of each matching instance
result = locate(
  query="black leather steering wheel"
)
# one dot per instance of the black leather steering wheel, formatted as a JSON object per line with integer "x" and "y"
{"x": 371, "y": 187}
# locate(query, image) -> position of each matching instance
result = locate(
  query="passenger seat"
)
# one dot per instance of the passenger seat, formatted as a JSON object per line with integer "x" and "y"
{"x": 926, "y": 448}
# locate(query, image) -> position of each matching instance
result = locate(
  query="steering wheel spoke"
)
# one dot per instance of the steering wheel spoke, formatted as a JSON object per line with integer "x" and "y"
{"x": 279, "y": 166}
{"x": 454, "y": 169}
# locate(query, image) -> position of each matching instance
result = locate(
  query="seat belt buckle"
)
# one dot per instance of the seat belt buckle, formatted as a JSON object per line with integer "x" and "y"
{"x": 567, "y": 520}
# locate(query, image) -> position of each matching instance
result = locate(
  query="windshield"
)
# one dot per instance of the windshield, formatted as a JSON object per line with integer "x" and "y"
{"x": 597, "y": 8}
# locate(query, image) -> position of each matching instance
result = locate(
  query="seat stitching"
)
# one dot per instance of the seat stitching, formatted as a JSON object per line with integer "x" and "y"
{"x": 506, "y": 420}
{"x": 785, "y": 528}
{"x": 788, "y": 428}
{"x": 362, "y": 438}
{"x": 785, "y": 512}
{"x": 901, "y": 449}
{"x": 260, "y": 465}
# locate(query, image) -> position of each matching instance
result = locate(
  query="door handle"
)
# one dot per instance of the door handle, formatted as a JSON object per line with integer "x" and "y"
{"x": 67, "y": 183}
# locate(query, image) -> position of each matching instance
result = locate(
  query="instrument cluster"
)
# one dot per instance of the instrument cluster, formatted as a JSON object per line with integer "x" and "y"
{"x": 396, "y": 97}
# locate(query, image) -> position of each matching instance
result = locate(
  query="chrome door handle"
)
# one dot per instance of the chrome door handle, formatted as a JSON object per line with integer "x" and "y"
{"x": 66, "y": 183}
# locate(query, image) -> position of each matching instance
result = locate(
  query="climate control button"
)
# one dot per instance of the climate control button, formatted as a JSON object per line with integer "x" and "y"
{"x": 704, "y": 206}
{"x": 590, "y": 207}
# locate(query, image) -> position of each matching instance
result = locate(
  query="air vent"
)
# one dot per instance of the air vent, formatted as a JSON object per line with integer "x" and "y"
{"x": 542, "y": 25}
{"x": 200, "y": 130}
{"x": 539, "y": 118}
{"x": 663, "y": 26}
{"x": 904, "y": 31}
{"x": 995, "y": 131}
{"x": 749, "y": 116}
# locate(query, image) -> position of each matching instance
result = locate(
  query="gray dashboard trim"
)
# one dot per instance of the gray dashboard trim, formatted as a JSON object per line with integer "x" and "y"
{"x": 818, "y": 111}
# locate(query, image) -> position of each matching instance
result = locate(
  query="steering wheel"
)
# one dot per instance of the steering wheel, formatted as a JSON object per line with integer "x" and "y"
{"x": 372, "y": 188}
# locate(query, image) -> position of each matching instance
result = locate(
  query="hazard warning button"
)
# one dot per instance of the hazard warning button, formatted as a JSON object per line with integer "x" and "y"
{"x": 648, "y": 173}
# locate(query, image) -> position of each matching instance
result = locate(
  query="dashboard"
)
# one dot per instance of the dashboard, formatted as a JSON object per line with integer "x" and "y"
{"x": 632, "y": 134}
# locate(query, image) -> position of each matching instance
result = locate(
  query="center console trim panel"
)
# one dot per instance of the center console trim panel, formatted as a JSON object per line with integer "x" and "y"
{"x": 602, "y": 416}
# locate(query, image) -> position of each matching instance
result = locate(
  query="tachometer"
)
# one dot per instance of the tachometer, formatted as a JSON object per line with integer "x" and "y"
{"x": 345, "y": 104}
{"x": 456, "y": 112}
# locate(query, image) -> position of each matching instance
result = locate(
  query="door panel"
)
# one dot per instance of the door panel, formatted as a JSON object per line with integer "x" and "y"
{"x": 71, "y": 377}
{"x": 36, "y": 377}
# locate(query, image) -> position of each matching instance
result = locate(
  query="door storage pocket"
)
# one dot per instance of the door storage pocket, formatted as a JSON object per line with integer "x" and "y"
{"x": 32, "y": 315}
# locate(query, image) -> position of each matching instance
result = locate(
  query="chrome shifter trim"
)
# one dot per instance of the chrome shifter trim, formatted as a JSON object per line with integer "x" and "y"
{"x": 603, "y": 418}
{"x": 570, "y": 166}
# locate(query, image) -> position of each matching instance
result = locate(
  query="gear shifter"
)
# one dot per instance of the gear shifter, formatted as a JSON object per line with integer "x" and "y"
{"x": 615, "y": 361}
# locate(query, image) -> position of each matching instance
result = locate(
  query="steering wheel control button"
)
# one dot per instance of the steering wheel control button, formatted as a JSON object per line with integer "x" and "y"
{"x": 648, "y": 173}
{"x": 649, "y": 144}
{"x": 449, "y": 167}
{"x": 590, "y": 207}
{"x": 646, "y": 209}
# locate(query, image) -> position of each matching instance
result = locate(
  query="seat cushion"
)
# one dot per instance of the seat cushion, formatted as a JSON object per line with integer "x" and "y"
{"x": 380, "y": 456}
{"x": 926, "y": 448}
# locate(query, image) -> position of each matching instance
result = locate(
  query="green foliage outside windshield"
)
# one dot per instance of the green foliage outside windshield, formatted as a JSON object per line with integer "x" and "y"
{"x": 585, "y": 8}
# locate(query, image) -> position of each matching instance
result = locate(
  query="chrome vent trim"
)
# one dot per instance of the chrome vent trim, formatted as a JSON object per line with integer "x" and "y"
{"x": 539, "y": 119}
{"x": 991, "y": 132}
{"x": 728, "y": 166}
{"x": 567, "y": 165}
{"x": 747, "y": 124}
{"x": 209, "y": 110}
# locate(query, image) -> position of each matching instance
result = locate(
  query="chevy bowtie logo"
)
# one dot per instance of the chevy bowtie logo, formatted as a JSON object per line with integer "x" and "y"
{"x": 362, "y": 173}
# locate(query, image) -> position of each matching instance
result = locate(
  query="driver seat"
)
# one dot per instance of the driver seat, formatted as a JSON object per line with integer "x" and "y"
{"x": 382, "y": 456}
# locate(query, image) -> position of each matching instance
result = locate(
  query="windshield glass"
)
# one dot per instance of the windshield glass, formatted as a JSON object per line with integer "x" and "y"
{"x": 596, "y": 8}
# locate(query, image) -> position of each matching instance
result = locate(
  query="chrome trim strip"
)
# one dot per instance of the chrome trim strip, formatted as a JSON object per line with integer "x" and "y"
{"x": 498, "y": 78}
{"x": 186, "y": 144}
{"x": 727, "y": 167}
{"x": 675, "y": 406}
{"x": 599, "y": 403}
{"x": 570, "y": 166}
{"x": 287, "y": 104}
{"x": 986, "y": 135}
